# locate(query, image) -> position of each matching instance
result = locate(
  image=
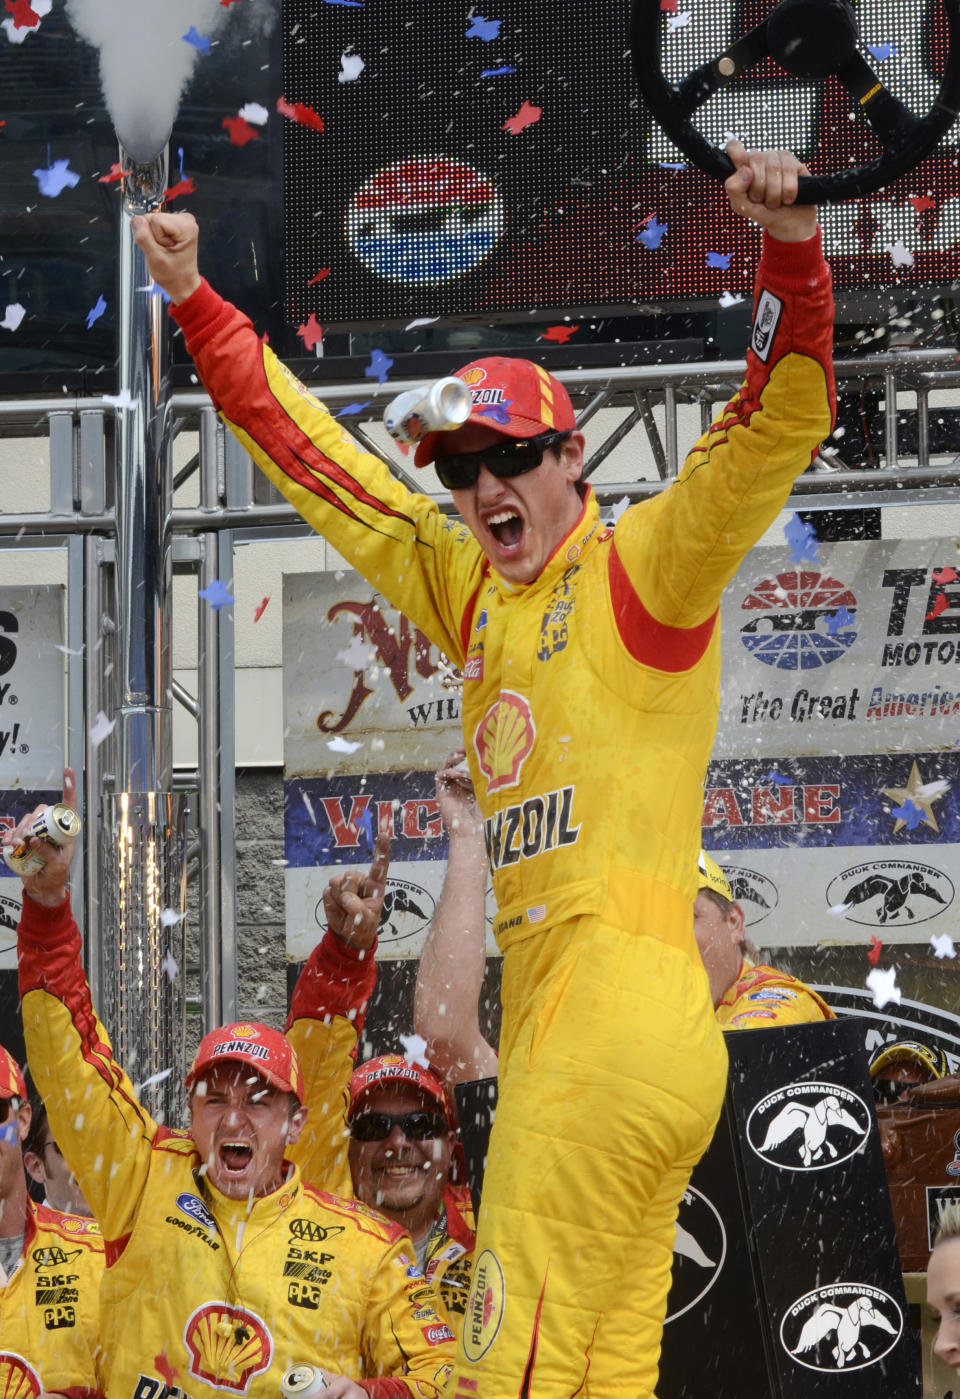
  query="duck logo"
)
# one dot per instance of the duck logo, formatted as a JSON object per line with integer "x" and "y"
{"x": 800, "y": 620}
{"x": 18, "y": 1380}
{"x": 228, "y": 1346}
{"x": 808, "y": 1126}
{"x": 699, "y": 1252}
{"x": 892, "y": 891}
{"x": 485, "y": 1306}
{"x": 503, "y": 740}
{"x": 844, "y": 1327}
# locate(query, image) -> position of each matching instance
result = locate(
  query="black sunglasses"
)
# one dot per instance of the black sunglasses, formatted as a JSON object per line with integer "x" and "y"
{"x": 505, "y": 459}
{"x": 417, "y": 1126}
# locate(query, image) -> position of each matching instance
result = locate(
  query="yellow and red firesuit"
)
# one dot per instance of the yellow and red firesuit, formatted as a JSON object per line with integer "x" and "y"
{"x": 203, "y": 1293}
{"x": 589, "y": 707}
{"x": 50, "y": 1308}
{"x": 327, "y": 1012}
{"x": 762, "y": 996}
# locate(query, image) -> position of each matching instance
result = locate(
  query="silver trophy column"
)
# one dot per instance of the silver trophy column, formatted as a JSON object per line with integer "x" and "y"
{"x": 142, "y": 867}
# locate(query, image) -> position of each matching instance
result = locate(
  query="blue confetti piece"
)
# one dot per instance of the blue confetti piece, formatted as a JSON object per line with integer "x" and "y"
{"x": 908, "y": 813}
{"x": 217, "y": 595}
{"x": 96, "y": 312}
{"x": 10, "y": 1133}
{"x": 838, "y": 619}
{"x": 180, "y": 158}
{"x": 481, "y": 28}
{"x": 56, "y": 178}
{"x": 379, "y": 366}
{"x": 349, "y": 409}
{"x": 496, "y": 72}
{"x": 802, "y": 539}
{"x": 672, "y": 164}
{"x": 652, "y": 236}
{"x": 351, "y": 4}
{"x": 499, "y": 412}
{"x": 882, "y": 51}
{"x": 718, "y": 260}
{"x": 157, "y": 290}
{"x": 199, "y": 41}
{"x": 365, "y": 824}
{"x": 778, "y": 777}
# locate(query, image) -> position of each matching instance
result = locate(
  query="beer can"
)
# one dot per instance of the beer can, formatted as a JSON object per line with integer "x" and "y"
{"x": 302, "y": 1382}
{"x": 438, "y": 407}
{"x": 58, "y": 824}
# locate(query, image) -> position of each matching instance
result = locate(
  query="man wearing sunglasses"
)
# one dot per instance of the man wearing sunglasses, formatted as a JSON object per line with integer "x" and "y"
{"x": 51, "y": 1265}
{"x": 590, "y": 659}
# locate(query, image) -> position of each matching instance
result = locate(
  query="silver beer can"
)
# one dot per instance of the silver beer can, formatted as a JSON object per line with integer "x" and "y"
{"x": 302, "y": 1382}
{"x": 58, "y": 824}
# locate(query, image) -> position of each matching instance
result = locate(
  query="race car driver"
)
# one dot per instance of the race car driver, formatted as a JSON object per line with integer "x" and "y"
{"x": 746, "y": 996}
{"x": 51, "y": 1265}
{"x": 590, "y": 660}
{"x": 224, "y": 1267}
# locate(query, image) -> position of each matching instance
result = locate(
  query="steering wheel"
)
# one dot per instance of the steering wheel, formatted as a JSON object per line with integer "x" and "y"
{"x": 810, "y": 39}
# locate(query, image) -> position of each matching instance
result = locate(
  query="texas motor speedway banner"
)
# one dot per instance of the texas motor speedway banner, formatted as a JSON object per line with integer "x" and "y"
{"x": 832, "y": 796}
{"x": 371, "y": 709}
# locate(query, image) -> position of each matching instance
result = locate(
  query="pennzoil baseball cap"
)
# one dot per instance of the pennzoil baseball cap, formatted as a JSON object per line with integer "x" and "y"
{"x": 266, "y": 1050}
{"x": 11, "y": 1079}
{"x": 713, "y": 877}
{"x": 512, "y": 396}
{"x": 910, "y": 1052}
{"x": 395, "y": 1069}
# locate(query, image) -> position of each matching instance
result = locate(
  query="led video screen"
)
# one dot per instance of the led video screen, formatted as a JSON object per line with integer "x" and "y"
{"x": 453, "y": 164}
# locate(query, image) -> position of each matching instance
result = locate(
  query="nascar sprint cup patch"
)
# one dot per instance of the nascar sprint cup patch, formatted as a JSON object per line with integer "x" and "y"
{"x": 765, "y": 322}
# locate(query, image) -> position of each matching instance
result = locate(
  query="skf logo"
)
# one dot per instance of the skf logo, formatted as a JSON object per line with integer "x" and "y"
{"x": 503, "y": 740}
{"x": 18, "y": 1380}
{"x": 485, "y": 1306}
{"x": 228, "y": 1346}
{"x": 844, "y": 1327}
{"x": 802, "y": 620}
{"x": 808, "y": 1126}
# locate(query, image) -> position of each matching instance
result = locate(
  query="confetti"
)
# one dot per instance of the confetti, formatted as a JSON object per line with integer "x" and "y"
{"x": 170, "y": 966}
{"x": 217, "y": 594}
{"x": 876, "y": 947}
{"x": 486, "y": 29}
{"x": 188, "y": 186}
{"x": 260, "y": 609}
{"x": 672, "y": 164}
{"x": 24, "y": 16}
{"x": 901, "y": 255}
{"x": 838, "y": 619}
{"x": 12, "y": 316}
{"x": 310, "y": 333}
{"x": 365, "y": 824}
{"x": 882, "y": 51}
{"x": 351, "y": 66}
{"x": 357, "y": 655}
{"x": 101, "y": 728}
{"x": 300, "y": 112}
{"x": 884, "y": 987}
{"x": 350, "y": 409}
{"x": 652, "y": 236}
{"x": 945, "y": 575}
{"x": 728, "y": 298}
{"x": 942, "y": 944}
{"x": 254, "y": 113}
{"x": 162, "y": 1365}
{"x": 528, "y": 115}
{"x": 421, "y": 320}
{"x": 379, "y": 366}
{"x": 10, "y": 1133}
{"x": 618, "y": 507}
{"x": 721, "y": 260}
{"x": 669, "y": 7}
{"x": 678, "y": 21}
{"x": 199, "y": 41}
{"x": 499, "y": 412}
{"x": 56, "y": 178}
{"x": 342, "y": 745}
{"x": 777, "y": 778}
{"x": 560, "y": 333}
{"x": 161, "y": 1077}
{"x": 321, "y": 275}
{"x": 96, "y": 311}
{"x": 940, "y": 604}
{"x": 115, "y": 173}
{"x": 169, "y": 918}
{"x": 497, "y": 72}
{"x": 802, "y": 539}
{"x": 124, "y": 401}
{"x": 921, "y": 202}
{"x": 415, "y": 1050}
{"x": 909, "y": 814}
{"x": 240, "y": 130}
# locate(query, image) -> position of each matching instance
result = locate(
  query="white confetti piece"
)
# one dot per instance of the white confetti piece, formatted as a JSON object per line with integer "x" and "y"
{"x": 101, "y": 728}
{"x": 124, "y": 400}
{"x": 942, "y": 945}
{"x": 415, "y": 1050}
{"x": 254, "y": 114}
{"x": 13, "y": 315}
{"x": 884, "y": 986}
{"x": 342, "y": 745}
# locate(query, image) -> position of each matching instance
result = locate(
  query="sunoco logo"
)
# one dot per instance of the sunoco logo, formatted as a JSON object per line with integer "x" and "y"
{"x": 699, "y": 1252}
{"x": 844, "y": 1327}
{"x": 797, "y": 622}
{"x": 808, "y": 1126}
{"x": 757, "y": 894}
{"x": 890, "y": 891}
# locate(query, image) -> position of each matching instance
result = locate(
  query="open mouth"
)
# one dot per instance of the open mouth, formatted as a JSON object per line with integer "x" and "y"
{"x": 506, "y": 528}
{"x": 235, "y": 1157}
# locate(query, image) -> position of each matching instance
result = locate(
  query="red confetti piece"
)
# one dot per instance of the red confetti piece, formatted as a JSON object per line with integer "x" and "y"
{"x": 560, "y": 333}
{"x": 227, "y": 3}
{"x": 945, "y": 575}
{"x": 114, "y": 173}
{"x": 921, "y": 202}
{"x": 263, "y": 605}
{"x": 188, "y": 186}
{"x": 240, "y": 130}
{"x": 299, "y": 111}
{"x": 940, "y": 604}
{"x": 324, "y": 272}
{"x": 876, "y": 947}
{"x": 669, "y": 7}
{"x": 169, "y": 1372}
{"x": 527, "y": 116}
{"x": 310, "y": 333}
{"x": 23, "y": 16}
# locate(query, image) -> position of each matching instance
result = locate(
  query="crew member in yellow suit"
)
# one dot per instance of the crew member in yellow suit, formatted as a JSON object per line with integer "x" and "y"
{"x": 590, "y": 658}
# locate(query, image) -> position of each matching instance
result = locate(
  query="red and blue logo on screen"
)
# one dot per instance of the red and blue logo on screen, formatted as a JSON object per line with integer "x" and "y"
{"x": 800, "y": 619}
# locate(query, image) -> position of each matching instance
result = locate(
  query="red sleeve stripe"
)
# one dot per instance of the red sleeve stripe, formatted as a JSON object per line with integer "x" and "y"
{"x": 650, "y": 642}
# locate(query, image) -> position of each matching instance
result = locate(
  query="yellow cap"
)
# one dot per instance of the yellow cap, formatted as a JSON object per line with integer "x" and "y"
{"x": 713, "y": 877}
